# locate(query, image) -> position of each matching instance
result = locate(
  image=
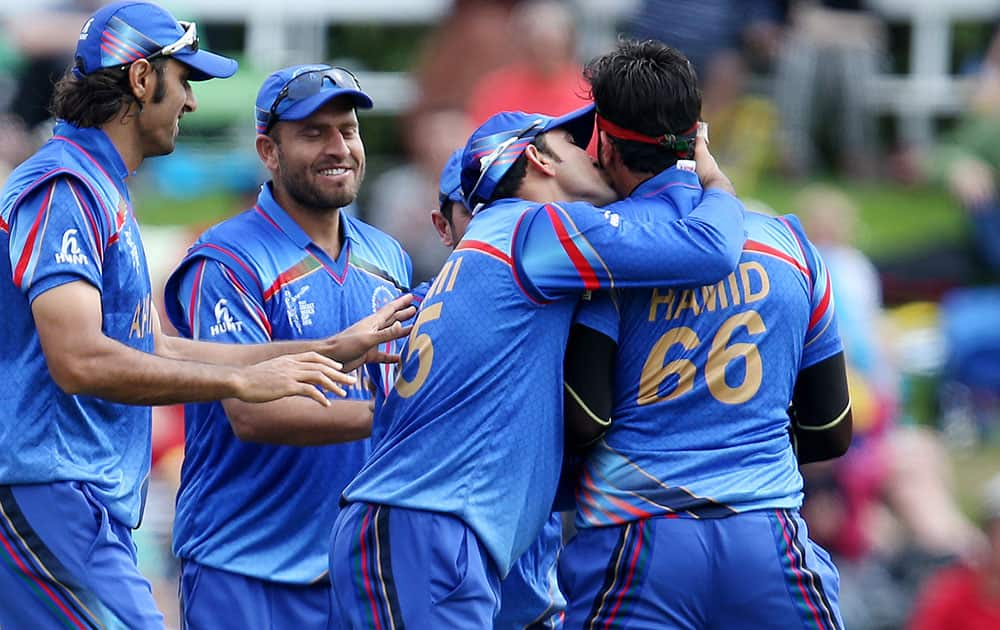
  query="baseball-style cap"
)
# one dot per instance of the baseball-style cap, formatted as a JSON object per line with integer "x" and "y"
{"x": 495, "y": 146}
{"x": 296, "y": 92}
{"x": 450, "y": 187}
{"x": 129, "y": 30}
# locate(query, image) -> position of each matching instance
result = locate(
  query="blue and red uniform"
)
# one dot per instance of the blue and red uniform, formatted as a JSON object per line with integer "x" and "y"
{"x": 253, "y": 520}
{"x": 463, "y": 478}
{"x": 688, "y": 507}
{"x": 74, "y": 468}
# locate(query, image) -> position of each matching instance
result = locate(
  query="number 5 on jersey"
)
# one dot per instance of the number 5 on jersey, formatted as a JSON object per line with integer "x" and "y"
{"x": 421, "y": 347}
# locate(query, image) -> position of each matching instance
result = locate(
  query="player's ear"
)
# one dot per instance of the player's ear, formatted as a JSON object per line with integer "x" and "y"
{"x": 540, "y": 161}
{"x": 607, "y": 152}
{"x": 442, "y": 227}
{"x": 142, "y": 79}
{"x": 267, "y": 151}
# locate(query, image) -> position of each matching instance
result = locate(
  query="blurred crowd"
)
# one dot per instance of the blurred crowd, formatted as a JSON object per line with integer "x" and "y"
{"x": 786, "y": 87}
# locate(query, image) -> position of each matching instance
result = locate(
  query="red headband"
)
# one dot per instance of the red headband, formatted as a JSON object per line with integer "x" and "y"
{"x": 667, "y": 140}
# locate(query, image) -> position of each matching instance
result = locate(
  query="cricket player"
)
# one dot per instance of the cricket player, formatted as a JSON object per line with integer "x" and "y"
{"x": 688, "y": 506}
{"x": 530, "y": 594}
{"x": 82, "y": 351}
{"x": 463, "y": 479}
{"x": 261, "y": 483}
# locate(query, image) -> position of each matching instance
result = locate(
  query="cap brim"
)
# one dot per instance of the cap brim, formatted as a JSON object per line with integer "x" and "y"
{"x": 306, "y": 107}
{"x": 207, "y": 65}
{"x": 579, "y": 123}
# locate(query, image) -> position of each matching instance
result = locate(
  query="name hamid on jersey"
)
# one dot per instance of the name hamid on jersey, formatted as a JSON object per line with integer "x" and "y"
{"x": 748, "y": 284}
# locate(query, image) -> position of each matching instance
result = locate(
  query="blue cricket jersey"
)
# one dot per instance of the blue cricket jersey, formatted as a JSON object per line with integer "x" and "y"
{"x": 704, "y": 377}
{"x": 475, "y": 423}
{"x": 66, "y": 216}
{"x": 255, "y": 509}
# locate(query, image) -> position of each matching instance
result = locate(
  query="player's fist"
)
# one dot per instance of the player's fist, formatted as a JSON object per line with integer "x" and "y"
{"x": 706, "y": 167}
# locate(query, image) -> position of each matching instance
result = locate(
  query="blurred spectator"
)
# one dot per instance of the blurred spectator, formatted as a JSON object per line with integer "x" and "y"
{"x": 471, "y": 40}
{"x": 399, "y": 203}
{"x": 886, "y": 509}
{"x": 743, "y": 126}
{"x": 43, "y": 41}
{"x": 543, "y": 75}
{"x": 966, "y": 596}
{"x": 832, "y": 51}
{"x": 969, "y": 160}
{"x": 702, "y": 28}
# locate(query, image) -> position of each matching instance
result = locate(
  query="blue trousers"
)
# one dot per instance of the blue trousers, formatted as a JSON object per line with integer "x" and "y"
{"x": 392, "y": 567}
{"x": 66, "y": 563}
{"x": 751, "y": 570}
{"x": 213, "y": 599}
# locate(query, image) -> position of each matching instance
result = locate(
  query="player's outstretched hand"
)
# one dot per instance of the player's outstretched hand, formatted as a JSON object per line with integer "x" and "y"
{"x": 708, "y": 170}
{"x": 292, "y": 375}
{"x": 359, "y": 343}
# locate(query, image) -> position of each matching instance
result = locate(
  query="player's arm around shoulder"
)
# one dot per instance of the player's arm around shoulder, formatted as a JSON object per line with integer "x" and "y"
{"x": 82, "y": 359}
{"x": 717, "y": 223}
{"x": 222, "y": 279}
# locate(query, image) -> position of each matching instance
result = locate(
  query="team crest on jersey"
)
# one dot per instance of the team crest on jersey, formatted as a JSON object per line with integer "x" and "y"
{"x": 69, "y": 252}
{"x": 298, "y": 310}
{"x": 224, "y": 320}
{"x": 381, "y": 296}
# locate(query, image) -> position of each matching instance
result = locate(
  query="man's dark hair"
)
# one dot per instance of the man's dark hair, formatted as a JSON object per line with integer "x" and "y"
{"x": 648, "y": 87}
{"x": 511, "y": 180}
{"x": 93, "y": 99}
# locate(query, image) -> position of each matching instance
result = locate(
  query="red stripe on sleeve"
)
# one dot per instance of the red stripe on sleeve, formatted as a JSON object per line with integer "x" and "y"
{"x": 193, "y": 301}
{"x": 583, "y": 268}
{"x": 29, "y": 244}
{"x": 821, "y": 309}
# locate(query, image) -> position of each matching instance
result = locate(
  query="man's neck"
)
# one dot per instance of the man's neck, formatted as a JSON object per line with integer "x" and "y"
{"x": 626, "y": 181}
{"x": 540, "y": 190}
{"x": 121, "y": 130}
{"x": 323, "y": 228}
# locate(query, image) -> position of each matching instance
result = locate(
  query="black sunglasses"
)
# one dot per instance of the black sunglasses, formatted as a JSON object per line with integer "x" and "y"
{"x": 309, "y": 84}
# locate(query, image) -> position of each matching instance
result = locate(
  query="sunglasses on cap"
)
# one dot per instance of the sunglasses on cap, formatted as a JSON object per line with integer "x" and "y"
{"x": 189, "y": 40}
{"x": 310, "y": 84}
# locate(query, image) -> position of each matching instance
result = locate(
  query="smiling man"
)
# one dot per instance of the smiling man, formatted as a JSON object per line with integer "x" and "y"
{"x": 83, "y": 354}
{"x": 260, "y": 485}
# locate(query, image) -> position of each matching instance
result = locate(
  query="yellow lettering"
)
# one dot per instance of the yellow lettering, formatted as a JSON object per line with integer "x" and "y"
{"x": 710, "y": 297}
{"x": 136, "y": 328}
{"x": 438, "y": 281}
{"x": 765, "y": 283}
{"x": 454, "y": 275}
{"x": 735, "y": 290}
{"x": 657, "y": 299}
{"x": 687, "y": 301}
{"x": 147, "y": 321}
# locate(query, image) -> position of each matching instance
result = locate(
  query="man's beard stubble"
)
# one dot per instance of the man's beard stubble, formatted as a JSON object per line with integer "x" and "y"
{"x": 310, "y": 197}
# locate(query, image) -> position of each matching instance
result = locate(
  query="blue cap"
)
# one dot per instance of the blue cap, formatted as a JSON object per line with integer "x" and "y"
{"x": 450, "y": 188}
{"x": 495, "y": 146}
{"x": 318, "y": 84}
{"x": 126, "y": 31}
